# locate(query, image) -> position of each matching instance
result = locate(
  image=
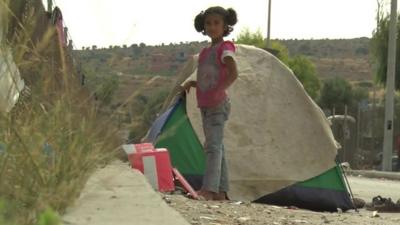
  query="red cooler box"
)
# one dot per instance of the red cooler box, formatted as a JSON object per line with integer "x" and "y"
{"x": 155, "y": 164}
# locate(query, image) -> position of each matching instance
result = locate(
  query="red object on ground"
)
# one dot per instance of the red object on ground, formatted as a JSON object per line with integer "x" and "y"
{"x": 155, "y": 164}
{"x": 135, "y": 151}
{"x": 185, "y": 184}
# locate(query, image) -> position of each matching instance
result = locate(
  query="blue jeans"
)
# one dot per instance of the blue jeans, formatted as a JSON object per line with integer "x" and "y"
{"x": 216, "y": 174}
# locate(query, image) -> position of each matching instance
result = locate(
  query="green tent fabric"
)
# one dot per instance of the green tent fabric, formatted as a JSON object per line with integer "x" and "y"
{"x": 180, "y": 139}
{"x": 331, "y": 179}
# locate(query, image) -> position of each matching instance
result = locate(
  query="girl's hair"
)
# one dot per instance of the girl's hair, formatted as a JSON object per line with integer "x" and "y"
{"x": 229, "y": 16}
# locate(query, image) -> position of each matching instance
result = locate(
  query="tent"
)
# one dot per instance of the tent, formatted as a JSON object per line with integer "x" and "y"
{"x": 279, "y": 145}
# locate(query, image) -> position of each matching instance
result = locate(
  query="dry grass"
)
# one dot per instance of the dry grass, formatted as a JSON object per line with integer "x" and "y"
{"x": 352, "y": 69}
{"x": 54, "y": 138}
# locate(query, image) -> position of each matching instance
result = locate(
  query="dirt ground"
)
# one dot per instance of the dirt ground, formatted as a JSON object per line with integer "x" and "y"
{"x": 214, "y": 213}
{"x": 237, "y": 213}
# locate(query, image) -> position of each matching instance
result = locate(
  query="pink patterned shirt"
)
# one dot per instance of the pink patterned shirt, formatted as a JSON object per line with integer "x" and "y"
{"x": 212, "y": 74}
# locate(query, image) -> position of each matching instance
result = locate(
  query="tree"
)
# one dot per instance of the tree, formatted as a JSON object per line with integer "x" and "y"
{"x": 246, "y": 37}
{"x": 256, "y": 39}
{"x": 282, "y": 52}
{"x": 336, "y": 93}
{"x": 379, "y": 48}
{"x": 305, "y": 71}
{"x": 359, "y": 94}
{"x": 302, "y": 67}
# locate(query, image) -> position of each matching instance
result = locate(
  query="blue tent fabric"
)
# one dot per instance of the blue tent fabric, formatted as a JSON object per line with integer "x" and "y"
{"x": 159, "y": 123}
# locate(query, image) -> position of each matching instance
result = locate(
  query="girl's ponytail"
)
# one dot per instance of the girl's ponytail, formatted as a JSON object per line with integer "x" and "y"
{"x": 199, "y": 22}
{"x": 231, "y": 18}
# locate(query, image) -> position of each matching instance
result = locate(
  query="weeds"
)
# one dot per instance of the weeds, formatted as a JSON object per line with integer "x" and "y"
{"x": 54, "y": 137}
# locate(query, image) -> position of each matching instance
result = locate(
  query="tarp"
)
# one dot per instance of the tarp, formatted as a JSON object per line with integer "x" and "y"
{"x": 10, "y": 81}
{"x": 326, "y": 192}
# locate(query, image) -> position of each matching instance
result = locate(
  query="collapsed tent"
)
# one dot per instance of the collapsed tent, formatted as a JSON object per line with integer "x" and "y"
{"x": 279, "y": 145}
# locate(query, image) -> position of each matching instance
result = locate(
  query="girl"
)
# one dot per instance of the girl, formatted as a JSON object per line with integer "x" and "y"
{"x": 215, "y": 73}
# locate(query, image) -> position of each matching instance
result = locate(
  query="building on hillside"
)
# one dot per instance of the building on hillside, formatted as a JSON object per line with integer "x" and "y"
{"x": 181, "y": 56}
{"x": 159, "y": 62}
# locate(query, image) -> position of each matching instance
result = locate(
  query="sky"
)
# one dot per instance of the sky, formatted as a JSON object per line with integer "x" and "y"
{"x": 118, "y": 22}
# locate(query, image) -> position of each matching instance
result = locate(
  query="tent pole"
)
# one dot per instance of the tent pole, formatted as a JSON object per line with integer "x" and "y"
{"x": 346, "y": 182}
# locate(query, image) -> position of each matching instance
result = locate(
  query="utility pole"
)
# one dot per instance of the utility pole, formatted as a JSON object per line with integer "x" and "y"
{"x": 49, "y": 5}
{"x": 389, "y": 96}
{"x": 269, "y": 25}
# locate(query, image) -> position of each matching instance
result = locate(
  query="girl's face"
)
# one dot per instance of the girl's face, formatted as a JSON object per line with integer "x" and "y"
{"x": 214, "y": 26}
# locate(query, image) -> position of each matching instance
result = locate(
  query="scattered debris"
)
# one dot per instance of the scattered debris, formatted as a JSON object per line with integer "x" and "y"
{"x": 244, "y": 219}
{"x": 237, "y": 203}
{"x": 345, "y": 165}
{"x": 375, "y": 214}
{"x": 167, "y": 200}
{"x": 207, "y": 218}
{"x": 267, "y": 211}
{"x": 300, "y": 221}
{"x": 325, "y": 219}
{"x": 358, "y": 203}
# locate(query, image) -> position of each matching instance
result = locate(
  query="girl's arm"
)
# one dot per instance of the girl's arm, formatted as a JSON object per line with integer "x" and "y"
{"x": 232, "y": 71}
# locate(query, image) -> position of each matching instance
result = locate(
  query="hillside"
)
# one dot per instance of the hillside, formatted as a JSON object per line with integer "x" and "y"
{"x": 347, "y": 58}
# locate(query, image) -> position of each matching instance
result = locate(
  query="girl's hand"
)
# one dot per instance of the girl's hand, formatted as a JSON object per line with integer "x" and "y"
{"x": 186, "y": 86}
{"x": 232, "y": 71}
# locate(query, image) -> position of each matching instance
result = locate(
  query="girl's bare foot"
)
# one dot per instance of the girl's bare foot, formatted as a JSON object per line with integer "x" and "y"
{"x": 206, "y": 195}
{"x": 221, "y": 196}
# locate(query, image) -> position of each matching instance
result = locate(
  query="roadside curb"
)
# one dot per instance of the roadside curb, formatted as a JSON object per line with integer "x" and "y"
{"x": 117, "y": 194}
